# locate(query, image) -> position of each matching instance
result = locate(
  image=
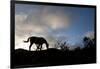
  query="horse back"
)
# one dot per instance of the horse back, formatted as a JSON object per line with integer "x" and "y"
{"x": 37, "y": 40}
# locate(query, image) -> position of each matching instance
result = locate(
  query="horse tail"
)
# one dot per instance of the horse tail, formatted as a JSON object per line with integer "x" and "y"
{"x": 27, "y": 40}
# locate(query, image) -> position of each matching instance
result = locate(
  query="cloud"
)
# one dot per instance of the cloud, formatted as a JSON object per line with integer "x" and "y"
{"x": 40, "y": 22}
{"x": 90, "y": 34}
{"x": 22, "y": 27}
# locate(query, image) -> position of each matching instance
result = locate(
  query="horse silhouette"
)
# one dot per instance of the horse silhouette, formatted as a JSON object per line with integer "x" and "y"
{"x": 39, "y": 41}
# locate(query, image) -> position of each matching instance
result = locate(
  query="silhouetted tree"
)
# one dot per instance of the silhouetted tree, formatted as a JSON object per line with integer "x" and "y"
{"x": 88, "y": 42}
{"x": 89, "y": 47}
{"x": 93, "y": 41}
{"x": 63, "y": 45}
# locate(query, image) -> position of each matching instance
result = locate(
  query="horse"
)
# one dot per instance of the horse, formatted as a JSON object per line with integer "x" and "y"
{"x": 39, "y": 41}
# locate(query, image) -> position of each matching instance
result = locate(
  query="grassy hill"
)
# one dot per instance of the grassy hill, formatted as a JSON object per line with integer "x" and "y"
{"x": 51, "y": 57}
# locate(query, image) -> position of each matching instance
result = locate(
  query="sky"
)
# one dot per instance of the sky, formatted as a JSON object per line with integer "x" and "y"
{"x": 54, "y": 23}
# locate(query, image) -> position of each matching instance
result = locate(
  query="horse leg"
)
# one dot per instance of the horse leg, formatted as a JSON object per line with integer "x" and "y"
{"x": 30, "y": 46}
{"x": 47, "y": 46}
{"x": 37, "y": 47}
{"x": 40, "y": 47}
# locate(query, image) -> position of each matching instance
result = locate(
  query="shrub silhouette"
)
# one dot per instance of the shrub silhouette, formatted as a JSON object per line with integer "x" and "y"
{"x": 88, "y": 42}
{"x": 89, "y": 47}
{"x": 62, "y": 44}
